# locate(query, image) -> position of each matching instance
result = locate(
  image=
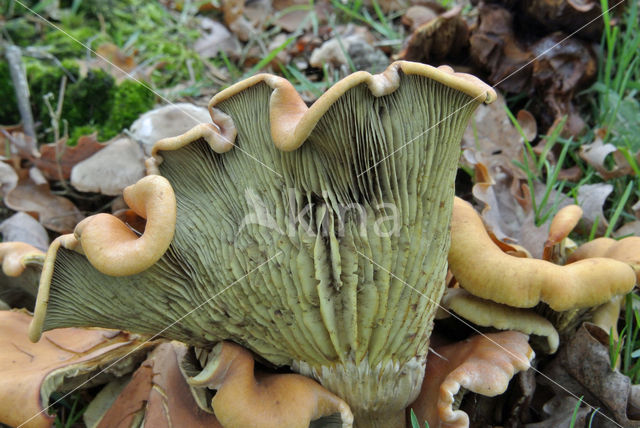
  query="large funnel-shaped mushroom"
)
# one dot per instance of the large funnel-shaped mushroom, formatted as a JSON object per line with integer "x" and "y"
{"x": 296, "y": 231}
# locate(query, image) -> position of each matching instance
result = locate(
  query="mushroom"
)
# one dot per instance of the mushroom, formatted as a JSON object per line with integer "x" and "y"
{"x": 562, "y": 224}
{"x": 482, "y": 364}
{"x": 157, "y": 395}
{"x": 275, "y": 400}
{"x": 21, "y": 265}
{"x": 626, "y": 250}
{"x": 485, "y": 271}
{"x": 293, "y": 227}
{"x": 486, "y": 313}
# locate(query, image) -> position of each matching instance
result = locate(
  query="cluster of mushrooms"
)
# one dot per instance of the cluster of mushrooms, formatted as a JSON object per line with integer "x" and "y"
{"x": 345, "y": 297}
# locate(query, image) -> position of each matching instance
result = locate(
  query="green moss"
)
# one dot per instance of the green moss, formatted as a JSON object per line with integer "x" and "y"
{"x": 90, "y": 99}
{"x": 69, "y": 44}
{"x": 45, "y": 78}
{"x": 80, "y": 131}
{"x": 8, "y": 107}
{"x": 20, "y": 31}
{"x": 131, "y": 99}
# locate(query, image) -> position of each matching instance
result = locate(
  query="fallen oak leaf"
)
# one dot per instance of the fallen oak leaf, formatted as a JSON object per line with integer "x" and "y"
{"x": 596, "y": 153}
{"x": 59, "y": 158}
{"x": 30, "y": 372}
{"x": 55, "y": 212}
{"x": 583, "y": 367}
{"x": 109, "y": 171}
{"x": 592, "y": 197}
{"x": 22, "y": 227}
{"x": 158, "y": 395}
{"x": 437, "y": 39}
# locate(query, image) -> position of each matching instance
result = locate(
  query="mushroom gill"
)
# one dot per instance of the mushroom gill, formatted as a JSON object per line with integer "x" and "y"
{"x": 296, "y": 231}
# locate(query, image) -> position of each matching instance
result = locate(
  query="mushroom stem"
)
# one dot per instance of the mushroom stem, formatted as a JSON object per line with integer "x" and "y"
{"x": 395, "y": 419}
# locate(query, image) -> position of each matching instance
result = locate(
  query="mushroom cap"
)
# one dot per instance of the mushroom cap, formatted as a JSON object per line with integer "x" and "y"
{"x": 626, "y": 250}
{"x": 113, "y": 248}
{"x": 562, "y": 224}
{"x": 485, "y": 271}
{"x": 486, "y": 313}
{"x": 282, "y": 213}
{"x": 481, "y": 364}
{"x": 16, "y": 256}
{"x": 245, "y": 399}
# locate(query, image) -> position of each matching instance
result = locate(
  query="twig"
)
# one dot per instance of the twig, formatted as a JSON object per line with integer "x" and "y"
{"x": 55, "y": 116}
{"x": 19, "y": 79}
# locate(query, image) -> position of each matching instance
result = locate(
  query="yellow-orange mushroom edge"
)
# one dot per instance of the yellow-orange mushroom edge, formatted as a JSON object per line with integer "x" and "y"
{"x": 626, "y": 250}
{"x": 485, "y": 271}
{"x": 113, "y": 248}
{"x": 110, "y": 246}
{"x": 268, "y": 400}
{"x": 15, "y": 256}
{"x": 292, "y": 121}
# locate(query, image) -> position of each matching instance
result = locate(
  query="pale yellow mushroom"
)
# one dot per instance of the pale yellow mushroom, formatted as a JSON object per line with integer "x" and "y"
{"x": 485, "y": 271}
{"x": 258, "y": 400}
{"x": 16, "y": 255}
{"x": 317, "y": 292}
{"x": 561, "y": 225}
{"x": 486, "y": 313}
{"x": 626, "y": 250}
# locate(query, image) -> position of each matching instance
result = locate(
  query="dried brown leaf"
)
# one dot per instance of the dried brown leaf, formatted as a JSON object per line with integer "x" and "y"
{"x": 58, "y": 158}
{"x": 591, "y": 197}
{"x": 55, "y": 212}
{"x": 596, "y": 153}
{"x": 21, "y": 227}
{"x": 569, "y": 16}
{"x": 215, "y": 38}
{"x": 29, "y": 372}
{"x": 493, "y": 46}
{"x": 583, "y": 367}
{"x": 109, "y": 171}
{"x": 158, "y": 395}
{"x": 8, "y": 178}
{"x": 441, "y": 37}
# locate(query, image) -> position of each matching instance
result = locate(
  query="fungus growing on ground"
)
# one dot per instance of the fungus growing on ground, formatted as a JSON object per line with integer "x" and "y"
{"x": 486, "y": 313}
{"x": 485, "y": 271}
{"x": 21, "y": 265}
{"x": 296, "y": 233}
{"x": 275, "y": 400}
{"x": 481, "y": 364}
{"x": 562, "y": 294}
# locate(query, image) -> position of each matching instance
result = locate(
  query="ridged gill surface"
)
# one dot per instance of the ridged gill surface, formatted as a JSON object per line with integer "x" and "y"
{"x": 333, "y": 255}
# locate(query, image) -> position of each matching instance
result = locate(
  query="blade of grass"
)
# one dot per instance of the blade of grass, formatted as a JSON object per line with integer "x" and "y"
{"x": 619, "y": 207}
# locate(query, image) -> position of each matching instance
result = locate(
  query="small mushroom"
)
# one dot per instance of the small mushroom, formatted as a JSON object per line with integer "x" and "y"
{"x": 485, "y": 271}
{"x": 21, "y": 266}
{"x": 486, "y": 313}
{"x": 16, "y": 256}
{"x": 482, "y": 364}
{"x": 247, "y": 399}
{"x": 562, "y": 224}
{"x": 626, "y": 250}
